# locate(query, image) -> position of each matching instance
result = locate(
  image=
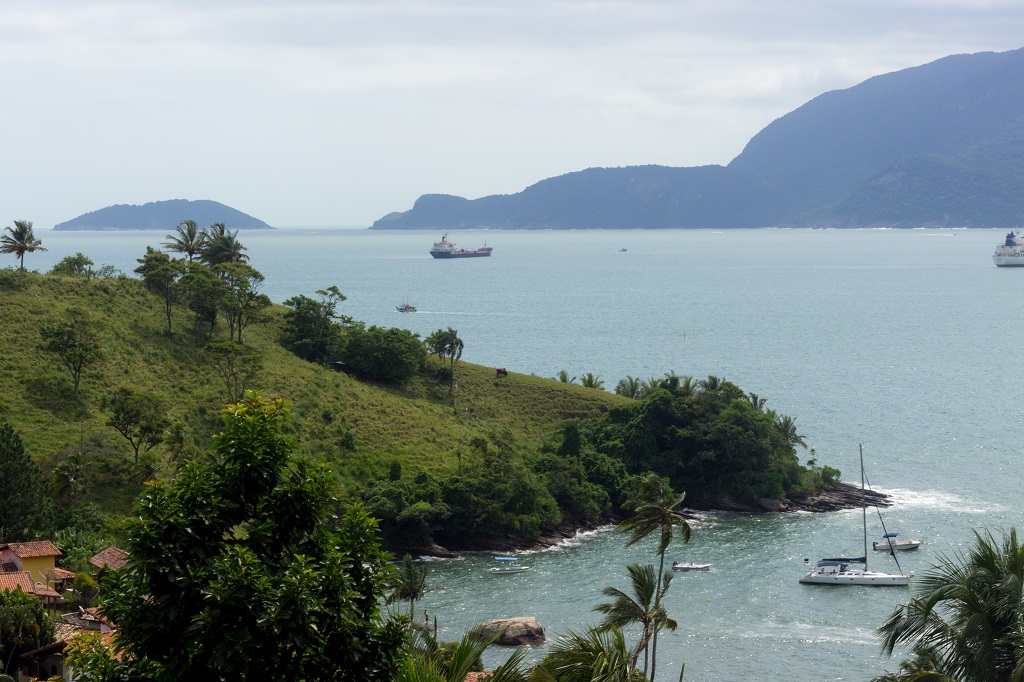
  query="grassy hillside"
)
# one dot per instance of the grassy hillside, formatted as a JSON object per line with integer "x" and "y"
{"x": 359, "y": 428}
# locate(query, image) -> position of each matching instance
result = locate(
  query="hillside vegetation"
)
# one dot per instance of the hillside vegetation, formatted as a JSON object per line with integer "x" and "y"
{"x": 112, "y": 381}
{"x": 359, "y": 427}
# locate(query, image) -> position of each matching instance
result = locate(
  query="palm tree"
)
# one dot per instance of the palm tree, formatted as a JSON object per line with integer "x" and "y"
{"x": 595, "y": 654}
{"x": 630, "y": 387}
{"x": 563, "y": 376}
{"x": 190, "y": 240}
{"x": 447, "y": 344}
{"x": 20, "y": 241}
{"x": 591, "y": 380}
{"x": 410, "y": 583}
{"x": 427, "y": 662}
{"x": 787, "y": 425}
{"x": 222, "y": 246}
{"x": 655, "y": 509}
{"x": 626, "y": 610}
{"x": 965, "y": 620}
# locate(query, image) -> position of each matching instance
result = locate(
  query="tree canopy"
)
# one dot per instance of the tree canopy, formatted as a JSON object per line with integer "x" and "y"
{"x": 237, "y": 573}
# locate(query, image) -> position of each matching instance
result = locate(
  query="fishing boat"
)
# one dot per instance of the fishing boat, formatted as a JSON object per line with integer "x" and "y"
{"x": 510, "y": 565}
{"x": 689, "y": 566}
{"x": 447, "y": 249}
{"x": 406, "y": 308}
{"x": 1010, "y": 254}
{"x": 889, "y": 543}
{"x": 838, "y": 571}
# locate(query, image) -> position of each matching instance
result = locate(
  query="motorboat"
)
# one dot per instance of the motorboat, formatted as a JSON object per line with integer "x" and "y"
{"x": 689, "y": 566}
{"x": 406, "y": 308}
{"x": 838, "y": 571}
{"x": 889, "y": 543}
{"x": 509, "y": 565}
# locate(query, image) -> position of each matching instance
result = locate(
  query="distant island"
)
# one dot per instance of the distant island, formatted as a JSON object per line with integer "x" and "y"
{"x": 163, "y": 215}
{"x": 939, "y": 145}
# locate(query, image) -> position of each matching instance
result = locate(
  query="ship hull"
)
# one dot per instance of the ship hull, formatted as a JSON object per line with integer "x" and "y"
{"x": 1015, "y": 261}
{"x": 460, "y": 254}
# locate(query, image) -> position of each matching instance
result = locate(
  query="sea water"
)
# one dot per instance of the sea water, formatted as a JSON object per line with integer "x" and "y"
{"x": 904, "y": 341}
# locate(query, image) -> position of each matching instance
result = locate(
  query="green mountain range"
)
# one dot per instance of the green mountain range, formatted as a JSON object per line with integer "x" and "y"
{"x": 938, "y": 145}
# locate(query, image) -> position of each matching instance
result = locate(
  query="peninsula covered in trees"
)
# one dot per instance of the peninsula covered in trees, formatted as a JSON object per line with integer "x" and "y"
{"x": 121, "y": 380}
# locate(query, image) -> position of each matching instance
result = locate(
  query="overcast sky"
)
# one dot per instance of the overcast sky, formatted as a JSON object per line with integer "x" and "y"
{"x": 317, "y": 113}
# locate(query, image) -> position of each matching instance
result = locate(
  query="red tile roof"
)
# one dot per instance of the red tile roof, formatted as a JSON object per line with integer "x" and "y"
{"x": 111, "y": 557}
{"x": 22, "y": 580}
{"x": 32, "y": 549}
{"x": 62, "y": 574}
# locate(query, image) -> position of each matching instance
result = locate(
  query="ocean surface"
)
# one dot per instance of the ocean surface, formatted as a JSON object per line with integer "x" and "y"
{"x": 904, "y": 341}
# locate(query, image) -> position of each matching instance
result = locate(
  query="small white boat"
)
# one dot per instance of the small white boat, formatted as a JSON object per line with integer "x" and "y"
{"x": 890, "y": 543}
{"x": 509, "y": 566}
{"x": 689, "y": 566}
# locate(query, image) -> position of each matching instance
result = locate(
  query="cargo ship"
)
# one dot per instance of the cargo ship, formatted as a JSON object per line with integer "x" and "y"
{"x": 447, "y": 249}
{"x": 1010, "y": 254}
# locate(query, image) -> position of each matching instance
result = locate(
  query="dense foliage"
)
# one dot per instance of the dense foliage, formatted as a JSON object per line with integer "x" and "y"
{"x": 237, "y": 573}
{"x": 965, "y": 620}
{"x": 27, "y": 511}
{"x": 24, "y": 626}
{"x": 710, "y": 439}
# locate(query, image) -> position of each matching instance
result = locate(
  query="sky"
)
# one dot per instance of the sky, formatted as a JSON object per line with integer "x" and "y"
{"x": 335, "y": 113}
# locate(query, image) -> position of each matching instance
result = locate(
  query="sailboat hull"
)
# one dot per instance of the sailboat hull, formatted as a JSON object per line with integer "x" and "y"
{"x": 867, "y": 578}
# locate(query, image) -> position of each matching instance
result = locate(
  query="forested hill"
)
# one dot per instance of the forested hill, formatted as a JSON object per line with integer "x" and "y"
{"x": 163, "y": 215}
{"x": 111, "y": 381}
{"x": 938, "y": 145}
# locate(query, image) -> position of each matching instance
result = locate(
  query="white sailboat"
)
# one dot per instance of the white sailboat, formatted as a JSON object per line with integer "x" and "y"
{"x": 837, "y": 571}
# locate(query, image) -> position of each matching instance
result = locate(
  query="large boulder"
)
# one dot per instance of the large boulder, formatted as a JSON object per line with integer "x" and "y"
{"x": 511, "y": 631}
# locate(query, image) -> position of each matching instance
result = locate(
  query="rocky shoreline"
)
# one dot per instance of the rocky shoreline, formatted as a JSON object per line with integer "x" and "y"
{"x": 843, "y": 496}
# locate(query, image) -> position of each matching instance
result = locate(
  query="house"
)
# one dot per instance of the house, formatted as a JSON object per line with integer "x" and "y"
{"x": 111, "y": 558}
{"x": 37, "y": 558}
{"x": 22, "y": 580}
{"x": 48, "y": 661}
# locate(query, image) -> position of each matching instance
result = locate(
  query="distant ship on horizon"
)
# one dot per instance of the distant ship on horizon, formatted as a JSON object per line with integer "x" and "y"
{"x": 1009, "y": 254}
{"x": 447, "y": 249}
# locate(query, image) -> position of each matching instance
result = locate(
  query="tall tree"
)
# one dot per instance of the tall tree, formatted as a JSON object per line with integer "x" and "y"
{"x": 19, "y": 241}
{"x": 410, "y": 582}
{"x": 235, "y": 365}
{"x": 161, "y": 274}
{"x": 27, "y": 510}
{"x": 236, "y": 573}
{"x": 74, "y": 340}
{"x": 139, "y": 417}
{"x": 203, "y": 291}
{"x": 445, "y": 343}
{"x": 655, "y": 509}
{"x": 222, "y": 246}
{"x": 312, "y": 327}
{"x": 242, "y": 301}
{"x": 965, "y": 620}
{"x": 637, "y": 608}
{"x": 631, "y": 387}
{"x": 189, "y": 239}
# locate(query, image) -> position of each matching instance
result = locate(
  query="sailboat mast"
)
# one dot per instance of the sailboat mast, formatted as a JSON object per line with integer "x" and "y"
{"x": 864, "y": 506}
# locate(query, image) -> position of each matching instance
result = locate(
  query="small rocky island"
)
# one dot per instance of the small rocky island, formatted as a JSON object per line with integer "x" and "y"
{"x": 163, "y": 215}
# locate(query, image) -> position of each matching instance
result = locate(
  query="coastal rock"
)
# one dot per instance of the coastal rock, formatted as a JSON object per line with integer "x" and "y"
{"x": 842, "y": 496}
{"x": 511, "y": 631}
